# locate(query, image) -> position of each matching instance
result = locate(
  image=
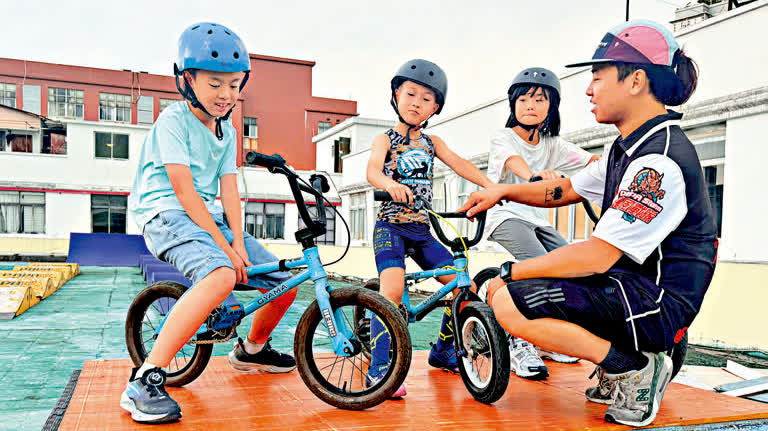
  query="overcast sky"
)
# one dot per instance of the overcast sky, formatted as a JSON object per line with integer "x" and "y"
{"x": 357, "y": 45}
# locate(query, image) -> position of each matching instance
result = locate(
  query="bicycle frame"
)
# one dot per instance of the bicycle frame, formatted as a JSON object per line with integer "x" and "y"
{"x": 462, "y": 281}
{"x": 340, "y": 335}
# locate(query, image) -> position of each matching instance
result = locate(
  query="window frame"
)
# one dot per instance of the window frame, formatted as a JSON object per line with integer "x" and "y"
{"x": 113, "y": 103}
{"x": 111, "y": 146}
{"x": 72, "y": 98}
{"x": 8, "y": 93}
{"x": 110, "y": 207}
{"x": 261, "y": 230}
{"x": 21, "y": 207}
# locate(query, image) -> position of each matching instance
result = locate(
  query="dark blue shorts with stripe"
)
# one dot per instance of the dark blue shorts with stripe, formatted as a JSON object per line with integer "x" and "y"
{"x": 624, "y": 308}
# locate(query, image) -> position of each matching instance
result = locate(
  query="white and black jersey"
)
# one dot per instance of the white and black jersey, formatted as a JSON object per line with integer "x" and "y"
{"x": 655, "y": 208}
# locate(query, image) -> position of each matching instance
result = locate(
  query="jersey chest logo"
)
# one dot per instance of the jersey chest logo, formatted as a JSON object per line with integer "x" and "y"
{"x": 640, "y": 201}
{"x": 415, "y": 166}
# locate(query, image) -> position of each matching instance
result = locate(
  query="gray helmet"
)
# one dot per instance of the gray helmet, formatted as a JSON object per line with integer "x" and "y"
{"x": 536, "y": 76}
{"x": 424, "y": 73}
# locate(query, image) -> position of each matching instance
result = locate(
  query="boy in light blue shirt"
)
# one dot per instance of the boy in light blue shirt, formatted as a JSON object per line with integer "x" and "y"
{"x": 189, "y": 156}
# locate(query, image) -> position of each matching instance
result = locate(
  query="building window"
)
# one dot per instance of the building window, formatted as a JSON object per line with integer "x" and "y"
{"x": 108, "y": 213}
{"x": 15, "y": 142}
{"x": 54, "y": 141}
{"x": 145, "y": 110}
{"x": 111, "y": 146}
{"x": 330, "y": 225}
{"x": 341, "y": 148}
{"x": 322, "y": 126}
{"x": 250, "y": 134}
{"x": 265, "y": 220}
{"x": 357, "y": 215}
{"x": 22, "y": 212}
{"x": 115, "y": 107}
{"x": 164, "y": 103}
{"x": 8, "y": 94}
{"x": 65, "y": 102}
{"x": 713, "y": 175}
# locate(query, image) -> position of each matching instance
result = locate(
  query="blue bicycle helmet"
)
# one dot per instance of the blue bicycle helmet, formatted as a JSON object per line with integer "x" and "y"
{"x": 210, "y": 46}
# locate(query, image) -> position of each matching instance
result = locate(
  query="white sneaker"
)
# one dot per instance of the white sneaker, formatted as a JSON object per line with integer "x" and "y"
{"x": 557, "y": 357}
{"x": 525, "y": 361}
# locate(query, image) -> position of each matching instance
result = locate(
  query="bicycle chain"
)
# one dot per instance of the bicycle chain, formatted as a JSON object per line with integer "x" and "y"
{"x": 231, "y": 334}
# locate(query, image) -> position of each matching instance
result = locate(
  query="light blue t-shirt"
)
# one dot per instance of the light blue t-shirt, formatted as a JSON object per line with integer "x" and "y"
{"x": 178, "y": 137}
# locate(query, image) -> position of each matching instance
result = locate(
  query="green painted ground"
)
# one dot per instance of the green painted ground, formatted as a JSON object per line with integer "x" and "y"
{"x": 85, "y": 320}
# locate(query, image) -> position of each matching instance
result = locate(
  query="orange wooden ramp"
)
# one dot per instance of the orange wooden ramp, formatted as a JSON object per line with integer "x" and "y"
{"x": 224, "y": 399}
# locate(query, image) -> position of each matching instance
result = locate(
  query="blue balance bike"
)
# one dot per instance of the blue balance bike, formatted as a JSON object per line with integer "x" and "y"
{"x": 482, "y": 348}
{"x": 330, "y": 354}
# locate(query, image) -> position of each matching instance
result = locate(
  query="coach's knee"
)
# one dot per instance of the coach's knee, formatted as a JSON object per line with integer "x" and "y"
{"x": 493, "y": 287}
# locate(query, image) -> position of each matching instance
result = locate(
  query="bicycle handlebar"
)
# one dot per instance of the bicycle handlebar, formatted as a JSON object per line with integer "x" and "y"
{"x": 419, "y": 204}
{"x": 276, "y": 165}
{"x": 587, "y": 207}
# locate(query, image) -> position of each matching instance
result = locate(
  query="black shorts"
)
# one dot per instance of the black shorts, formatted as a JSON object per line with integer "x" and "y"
{"x": 624, "y": 308}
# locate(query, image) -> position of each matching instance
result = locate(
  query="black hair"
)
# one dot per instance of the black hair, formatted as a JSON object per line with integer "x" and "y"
{"x": 671, "y": 86}
{"x": 551, "y": 124}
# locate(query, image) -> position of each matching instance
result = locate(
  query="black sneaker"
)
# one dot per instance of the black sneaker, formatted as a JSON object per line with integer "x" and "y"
{"x": 267, "y": 359}
{"x": 146, "y": 399}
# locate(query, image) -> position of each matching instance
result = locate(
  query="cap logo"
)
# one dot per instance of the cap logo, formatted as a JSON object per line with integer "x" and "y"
{"x": 535, "y": 73}
{"x": 602, "y": 44}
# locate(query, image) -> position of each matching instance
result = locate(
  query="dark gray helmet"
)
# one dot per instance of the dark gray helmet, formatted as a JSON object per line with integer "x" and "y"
{"x": 536, "y": 76}
{"x": 424, "y": 73}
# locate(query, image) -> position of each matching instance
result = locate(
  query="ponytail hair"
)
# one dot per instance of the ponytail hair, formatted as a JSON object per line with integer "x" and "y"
{"x": 688, "y": 73}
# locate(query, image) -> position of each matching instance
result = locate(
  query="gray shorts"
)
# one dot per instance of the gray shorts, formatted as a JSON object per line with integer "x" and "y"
{"x": 174, "y": 238}
{"x": 525, "y": 240}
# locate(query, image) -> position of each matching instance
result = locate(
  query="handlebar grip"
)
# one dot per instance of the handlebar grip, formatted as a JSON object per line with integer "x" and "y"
{"x": 535, "y": 178}
{"x": 381, "y": 196}
{"x": 258, "y": 159}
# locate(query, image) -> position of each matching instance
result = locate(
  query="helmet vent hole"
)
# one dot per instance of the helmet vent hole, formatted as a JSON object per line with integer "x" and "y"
{"x": 210, "y": 31}
{"x": 214, "y": 54}
{"x": 543, "y": 74}
{"x": 431, "y": 73}
{"x": 413, "y": 66}
{"x": 227, "y": 33}
{"x": 212, "y": 24}
{"x": 236, "y": 55}
{"x": 195, "y": 27}
{"x": 526, "y": 73}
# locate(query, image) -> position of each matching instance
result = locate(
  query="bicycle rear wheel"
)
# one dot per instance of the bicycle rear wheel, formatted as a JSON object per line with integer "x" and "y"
{"x": 483, "y": 357}
{"x": 340, "y": 380}
{"x": 146, "y": 312}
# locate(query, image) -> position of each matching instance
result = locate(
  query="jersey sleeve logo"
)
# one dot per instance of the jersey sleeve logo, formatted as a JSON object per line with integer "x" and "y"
{"x": 641, "y": 199}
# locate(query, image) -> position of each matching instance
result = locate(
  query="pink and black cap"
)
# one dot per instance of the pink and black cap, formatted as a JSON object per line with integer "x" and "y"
{"x": 637, "y": 41}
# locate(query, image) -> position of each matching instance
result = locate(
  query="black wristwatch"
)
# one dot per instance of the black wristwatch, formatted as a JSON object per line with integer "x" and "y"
{"x": 506, "y": 271}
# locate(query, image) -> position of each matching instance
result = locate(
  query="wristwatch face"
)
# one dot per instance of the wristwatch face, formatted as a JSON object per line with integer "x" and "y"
{"x": 505, "y": 269}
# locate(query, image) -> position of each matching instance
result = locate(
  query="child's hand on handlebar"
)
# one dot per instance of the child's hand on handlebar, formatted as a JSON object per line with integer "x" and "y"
{"x": 547, "y": 174}
{"x": 400, "y": 193}
{"x": 480, "y": 201}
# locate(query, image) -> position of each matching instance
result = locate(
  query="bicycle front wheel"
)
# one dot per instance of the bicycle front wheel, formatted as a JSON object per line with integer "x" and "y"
{"x": 341, "y": 381}
{"x": 484, "y": 353}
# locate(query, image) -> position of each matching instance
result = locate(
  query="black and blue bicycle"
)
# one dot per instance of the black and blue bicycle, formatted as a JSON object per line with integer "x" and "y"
{"x": 482, "y": 348}
{"x": 328, "y": 345}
